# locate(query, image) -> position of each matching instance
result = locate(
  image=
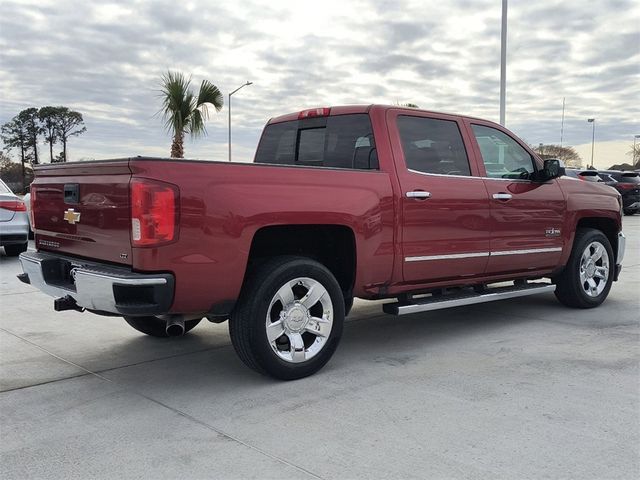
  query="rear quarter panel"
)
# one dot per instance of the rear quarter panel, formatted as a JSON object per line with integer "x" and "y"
{"x": 224, "y": 204}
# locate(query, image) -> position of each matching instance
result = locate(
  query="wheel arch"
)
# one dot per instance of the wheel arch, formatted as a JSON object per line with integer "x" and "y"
{"x": 608, "y": 226}
{"x": 333, "y": 245}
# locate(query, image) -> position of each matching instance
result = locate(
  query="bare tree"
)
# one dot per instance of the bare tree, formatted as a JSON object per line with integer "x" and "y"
{"x": 568, "y": 155}
{"x": 634, "y": 153}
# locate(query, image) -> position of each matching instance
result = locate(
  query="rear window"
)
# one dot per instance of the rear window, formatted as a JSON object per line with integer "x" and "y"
{"x": 4, "y": 188}
{"x": 341, "y": 141}
{"x": 628, "y": 178}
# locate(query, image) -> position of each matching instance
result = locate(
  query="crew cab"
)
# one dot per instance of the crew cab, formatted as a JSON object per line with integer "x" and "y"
{"x": 428, "y": 209}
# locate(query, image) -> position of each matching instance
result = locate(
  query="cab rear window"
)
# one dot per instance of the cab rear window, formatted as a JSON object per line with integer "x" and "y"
{"x": 628, "y": 178}
{"x": 340, "y": 141}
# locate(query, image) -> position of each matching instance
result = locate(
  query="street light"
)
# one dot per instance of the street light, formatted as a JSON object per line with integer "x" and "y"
{"x": 593, "y": 137}
{"x": 634, "y": 148}
{"x": 503, "y": 62}
{"x": 229, "y": 108}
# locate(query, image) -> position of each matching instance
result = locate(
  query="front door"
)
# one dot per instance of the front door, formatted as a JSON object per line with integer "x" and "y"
{"x": 445, "y": 232}
{"x": 526, "y": 216}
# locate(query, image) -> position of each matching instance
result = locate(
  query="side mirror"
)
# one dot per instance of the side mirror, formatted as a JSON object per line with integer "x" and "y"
{"x": 553, "y": 168}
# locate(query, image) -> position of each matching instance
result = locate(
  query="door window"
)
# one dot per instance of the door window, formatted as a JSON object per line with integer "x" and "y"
{"x": 433, "y": 146}
{"x": 503, "y": 157}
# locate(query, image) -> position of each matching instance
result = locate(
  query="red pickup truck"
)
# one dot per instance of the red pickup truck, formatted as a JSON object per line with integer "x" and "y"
{"x": 434, "y": 210}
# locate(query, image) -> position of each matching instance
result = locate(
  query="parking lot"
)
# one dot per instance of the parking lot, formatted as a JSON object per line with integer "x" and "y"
{"x": 512, "y": 389}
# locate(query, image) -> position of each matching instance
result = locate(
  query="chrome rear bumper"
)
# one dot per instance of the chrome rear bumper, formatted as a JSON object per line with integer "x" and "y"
{"x": 98, "y": 287}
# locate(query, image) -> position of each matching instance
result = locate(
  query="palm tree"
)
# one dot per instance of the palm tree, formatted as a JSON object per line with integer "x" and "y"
{"x": 183, "y": 112}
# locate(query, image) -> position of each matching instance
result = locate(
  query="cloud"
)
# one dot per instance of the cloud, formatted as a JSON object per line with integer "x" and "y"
{"x": 106, "y": 59}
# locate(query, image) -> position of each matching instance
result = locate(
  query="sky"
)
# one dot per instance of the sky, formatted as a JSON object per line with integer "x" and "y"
{"x": 105, "y": 59}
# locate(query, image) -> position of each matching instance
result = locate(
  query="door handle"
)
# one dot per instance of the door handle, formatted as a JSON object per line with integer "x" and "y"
{"x": 419, "y": 194}
{"x": 502, "y": 196}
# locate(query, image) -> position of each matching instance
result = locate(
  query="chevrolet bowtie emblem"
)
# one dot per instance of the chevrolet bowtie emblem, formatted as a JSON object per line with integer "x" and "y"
{"x": 71, "y": 216}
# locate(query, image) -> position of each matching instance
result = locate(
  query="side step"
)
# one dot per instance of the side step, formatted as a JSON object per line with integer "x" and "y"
{"x": 468, "y": 297}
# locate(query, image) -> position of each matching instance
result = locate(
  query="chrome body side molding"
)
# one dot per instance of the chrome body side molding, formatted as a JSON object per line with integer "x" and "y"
{"x": 455, "y": 256}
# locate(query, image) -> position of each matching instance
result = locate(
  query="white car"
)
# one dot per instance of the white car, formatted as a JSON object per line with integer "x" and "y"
{"x": 14, "y": 222}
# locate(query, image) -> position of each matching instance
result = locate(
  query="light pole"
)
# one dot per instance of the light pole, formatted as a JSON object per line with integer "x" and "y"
{"x": 634, "y": 149}
{"x": 229, "y": 109}
{"x": 593, "y": 137}
{"x": 562, "y": 123}
{"x": 503, "y": 62}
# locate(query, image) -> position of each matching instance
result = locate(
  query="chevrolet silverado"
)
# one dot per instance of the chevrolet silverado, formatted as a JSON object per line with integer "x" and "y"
{"x": 378, "y": 202}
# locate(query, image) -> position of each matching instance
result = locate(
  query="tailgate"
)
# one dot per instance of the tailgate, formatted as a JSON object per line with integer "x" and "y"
{"x": 83, "y": 209}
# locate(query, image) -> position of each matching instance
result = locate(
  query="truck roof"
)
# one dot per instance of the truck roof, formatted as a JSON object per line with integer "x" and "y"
{"x": 351, "y": 109}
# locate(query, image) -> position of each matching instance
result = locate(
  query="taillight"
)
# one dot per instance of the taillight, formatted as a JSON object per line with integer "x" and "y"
{"x": 625, "y": 186}
{"x": 154, "y": 212}
{"x": 13, "y": 205}
{"x": 314, "y": 112}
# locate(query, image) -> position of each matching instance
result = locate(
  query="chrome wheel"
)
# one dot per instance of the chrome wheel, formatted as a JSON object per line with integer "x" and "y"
{"x": 594, "y": 269}
{"x": 299, "y": 320}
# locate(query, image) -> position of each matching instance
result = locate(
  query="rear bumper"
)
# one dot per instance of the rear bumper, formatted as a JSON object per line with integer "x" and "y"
{"x": 15, "y": 230}
{"x": 98, "y": 287}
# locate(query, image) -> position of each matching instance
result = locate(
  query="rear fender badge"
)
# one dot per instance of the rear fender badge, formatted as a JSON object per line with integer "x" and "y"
{"x": 71, "y": 216}
{"x": 552, "y": 232}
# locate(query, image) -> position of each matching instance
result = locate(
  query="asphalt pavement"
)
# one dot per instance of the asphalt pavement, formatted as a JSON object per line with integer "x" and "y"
{"x": 522, "y": 388}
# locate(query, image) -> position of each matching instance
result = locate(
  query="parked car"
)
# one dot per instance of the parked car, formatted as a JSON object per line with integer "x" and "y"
{"x": 14, "y": 222}
{"x": 628, "y": 184}
{"x": 434, "y": 210}
{"x": 586, "y": 175}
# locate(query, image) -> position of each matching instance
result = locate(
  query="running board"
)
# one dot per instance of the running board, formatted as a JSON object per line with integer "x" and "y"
{"x": 456, "y": 300}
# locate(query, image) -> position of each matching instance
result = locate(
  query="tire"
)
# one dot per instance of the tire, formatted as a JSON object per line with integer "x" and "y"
{"x": 583, "y": 282}
{"x": 630, "y": 212}
{"x": 156, "y": 327}
{"x": 15, "y": 250}
{"x": 273, "y": 302}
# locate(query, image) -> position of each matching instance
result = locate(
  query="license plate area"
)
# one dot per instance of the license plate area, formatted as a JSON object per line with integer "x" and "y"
{"x": 58, "y": 272}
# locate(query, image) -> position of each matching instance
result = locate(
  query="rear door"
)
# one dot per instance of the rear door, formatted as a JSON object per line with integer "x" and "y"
{"x": 83, "y": 209}
{"x": 444, "y": 205}
{"x": 526, "y": 216}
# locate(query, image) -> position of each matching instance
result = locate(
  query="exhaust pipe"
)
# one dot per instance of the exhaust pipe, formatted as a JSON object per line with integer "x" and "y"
{"x": 175, "y": 326}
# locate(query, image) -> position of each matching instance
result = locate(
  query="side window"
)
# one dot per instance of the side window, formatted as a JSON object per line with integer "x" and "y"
{"x": 340, "y": 141}
{"x": 433, "y": 146}
{"x": 503, "y": 157}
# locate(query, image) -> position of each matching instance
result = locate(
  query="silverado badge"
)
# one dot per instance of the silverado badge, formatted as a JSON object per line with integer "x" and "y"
{"x": 552, "y": 232}
{"x": 71, "y": 216}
